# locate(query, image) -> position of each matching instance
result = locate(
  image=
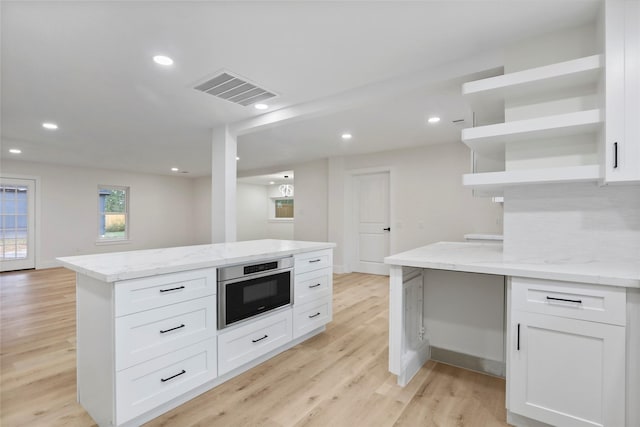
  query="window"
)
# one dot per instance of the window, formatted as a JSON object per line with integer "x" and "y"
{"x": 284, "y": 208}
{"x": 113, "y": 213}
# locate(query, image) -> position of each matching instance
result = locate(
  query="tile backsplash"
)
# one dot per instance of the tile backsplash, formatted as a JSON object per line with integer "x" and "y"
{"x": 572, "y": 222}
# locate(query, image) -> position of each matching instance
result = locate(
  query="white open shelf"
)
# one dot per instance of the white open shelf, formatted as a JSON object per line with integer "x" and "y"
{"x": 492, "y": 138}
{"x": 555, "y": 79}
{"x": 492, "y": 181}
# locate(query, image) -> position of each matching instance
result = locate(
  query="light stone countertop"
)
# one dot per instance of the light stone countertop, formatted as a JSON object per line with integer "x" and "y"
{"x": 115, "y": 266}
{"x": 488, "y": 258}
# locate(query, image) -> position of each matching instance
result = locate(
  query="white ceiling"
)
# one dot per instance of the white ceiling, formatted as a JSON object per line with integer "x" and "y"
{"x": 87, "y": 66}
{"x": 267, "y": 179}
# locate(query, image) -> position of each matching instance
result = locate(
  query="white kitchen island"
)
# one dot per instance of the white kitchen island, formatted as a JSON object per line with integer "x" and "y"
{"x": 147, "y": 337}
{"x": 571, "y": 335}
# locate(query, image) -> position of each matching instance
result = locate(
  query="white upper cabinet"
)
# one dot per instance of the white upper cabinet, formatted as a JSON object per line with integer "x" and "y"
{"x": 621, "y": 157}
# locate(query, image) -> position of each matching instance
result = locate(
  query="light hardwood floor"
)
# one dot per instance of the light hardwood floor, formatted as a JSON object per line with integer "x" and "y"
{"x": 338, "y": 378}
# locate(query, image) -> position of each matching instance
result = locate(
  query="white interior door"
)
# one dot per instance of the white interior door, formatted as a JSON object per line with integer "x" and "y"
{"x": 17, "y": 224}
{"x": 371, "y": 200}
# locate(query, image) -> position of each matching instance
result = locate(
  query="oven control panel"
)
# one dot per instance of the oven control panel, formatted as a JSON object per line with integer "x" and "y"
{"x": 250, "y": 269}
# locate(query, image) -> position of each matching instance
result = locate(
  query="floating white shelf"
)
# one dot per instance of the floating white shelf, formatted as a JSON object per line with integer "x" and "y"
{"x": 495, "y": 181}
{"x": 492, "y": 138}
{"x": 555, "y": 79}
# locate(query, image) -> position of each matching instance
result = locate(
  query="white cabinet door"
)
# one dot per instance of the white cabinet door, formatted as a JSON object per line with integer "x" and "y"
{"x": 311, "y": 261}
{"x": 151, "y": 384}
{"x": 567, "y": 372}
{"x": 313, "y": 285}
{"x": 242, "y": 344}
{"x": 310, "y": 316}
{"x": 151, "y": 333}
{"x": 622, "y": 130}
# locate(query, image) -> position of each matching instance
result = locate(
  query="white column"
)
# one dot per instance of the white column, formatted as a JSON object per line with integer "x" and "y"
{"x": 223, "y": 186}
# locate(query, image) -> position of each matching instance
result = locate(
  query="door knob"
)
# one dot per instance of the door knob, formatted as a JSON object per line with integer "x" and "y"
{"x": 386, "y": 229}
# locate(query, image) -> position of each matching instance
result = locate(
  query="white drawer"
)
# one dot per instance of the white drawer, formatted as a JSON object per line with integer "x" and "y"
{"x": 313, "y": 261}
{"x": 245, "y": 343}
{"x": 310, "y": 316}
{"x": 132, "y": 296}
{"x": 313, "y": 285}
{"x": 142, "y": 336}
{"x": 606, "y": 304}
{"x": 150, "y": 384}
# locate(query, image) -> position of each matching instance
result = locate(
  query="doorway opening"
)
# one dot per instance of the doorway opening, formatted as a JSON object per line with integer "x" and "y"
{"x": 17, "y": 224}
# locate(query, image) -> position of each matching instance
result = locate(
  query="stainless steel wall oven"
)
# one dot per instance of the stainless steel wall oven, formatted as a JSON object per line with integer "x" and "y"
{"x": 249, "y": 290}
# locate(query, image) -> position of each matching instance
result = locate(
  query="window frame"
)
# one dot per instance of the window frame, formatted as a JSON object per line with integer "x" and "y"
{"x": 100, "y": 239}
{"x": 272, "y": 210}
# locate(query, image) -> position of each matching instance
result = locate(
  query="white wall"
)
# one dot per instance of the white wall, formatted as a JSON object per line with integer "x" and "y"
{"x": 563, "y": 151}
{"x": 161, "y": 209}
{"x": 252, "y": 211}
{"x": 310, "y": 206}
{"x": 550, "y": 48}
{"x": 202, "y": 210}
{"x": 428, "y": 202}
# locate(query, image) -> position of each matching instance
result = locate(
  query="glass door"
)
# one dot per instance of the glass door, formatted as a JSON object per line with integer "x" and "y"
{"x": 17, "y": 224}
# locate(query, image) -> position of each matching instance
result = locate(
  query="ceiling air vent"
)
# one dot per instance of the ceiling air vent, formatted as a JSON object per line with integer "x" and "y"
{"x": 234, "y": 89}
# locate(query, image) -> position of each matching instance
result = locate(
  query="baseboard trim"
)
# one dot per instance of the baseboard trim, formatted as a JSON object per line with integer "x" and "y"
{"x": 467, "y": 361}
{"x": 43, "y": 265}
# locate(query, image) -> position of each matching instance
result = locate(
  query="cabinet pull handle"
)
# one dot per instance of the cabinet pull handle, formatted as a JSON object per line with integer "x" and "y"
{"x": 314, "y": 286}
{"x": 164, "y": 380}
{"x": 172, "y": 289}
{"x": 172, "y": 329}
{"x": 386, "y": 229}
{"x": 314, "y": 315}
{"x": 577, "y": 301}
{"x": 314, "y": 260}
{"x": 615, "y": 155}
{"x": 518, "y": 341}
{"x": 260, "y": 339}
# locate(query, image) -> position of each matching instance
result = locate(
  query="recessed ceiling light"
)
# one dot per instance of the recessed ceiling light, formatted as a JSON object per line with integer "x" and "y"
{"x": 272, "y": 182}
{"x": 433, "y": 119}
{"x": 174, "y": 169}
{"x": 346, "y": 136}
{"x": 163, "y": 60}
{"x": 237, "y": 158}
{"x": 50, "y": 126}
{"x": 15, "y": 151}
{"x": 261, "y": 106}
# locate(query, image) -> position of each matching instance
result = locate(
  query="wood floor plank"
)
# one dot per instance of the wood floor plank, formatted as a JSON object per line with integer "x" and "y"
{"x": 338, "y": 378}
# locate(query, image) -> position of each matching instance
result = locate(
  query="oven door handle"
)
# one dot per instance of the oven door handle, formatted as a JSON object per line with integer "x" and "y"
{"x": 255, "y": 276}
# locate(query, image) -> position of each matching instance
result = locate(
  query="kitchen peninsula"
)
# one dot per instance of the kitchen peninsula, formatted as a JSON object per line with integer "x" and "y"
{"x": 572, "y": 330}
{"x": 157, "y": 327}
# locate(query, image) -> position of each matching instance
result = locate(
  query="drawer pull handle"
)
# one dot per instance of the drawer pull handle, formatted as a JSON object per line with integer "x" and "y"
{"x": 314, "y": 315}
{"x": 314, "y": 286}
{"x": 260, "y": 339}
{"x": 172, "y": 329}
{"x": 577, "y": 301}
{"x": 315, "y": 260}
{"x": 172, "y": 289}
{"x": 164, "y": 380}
